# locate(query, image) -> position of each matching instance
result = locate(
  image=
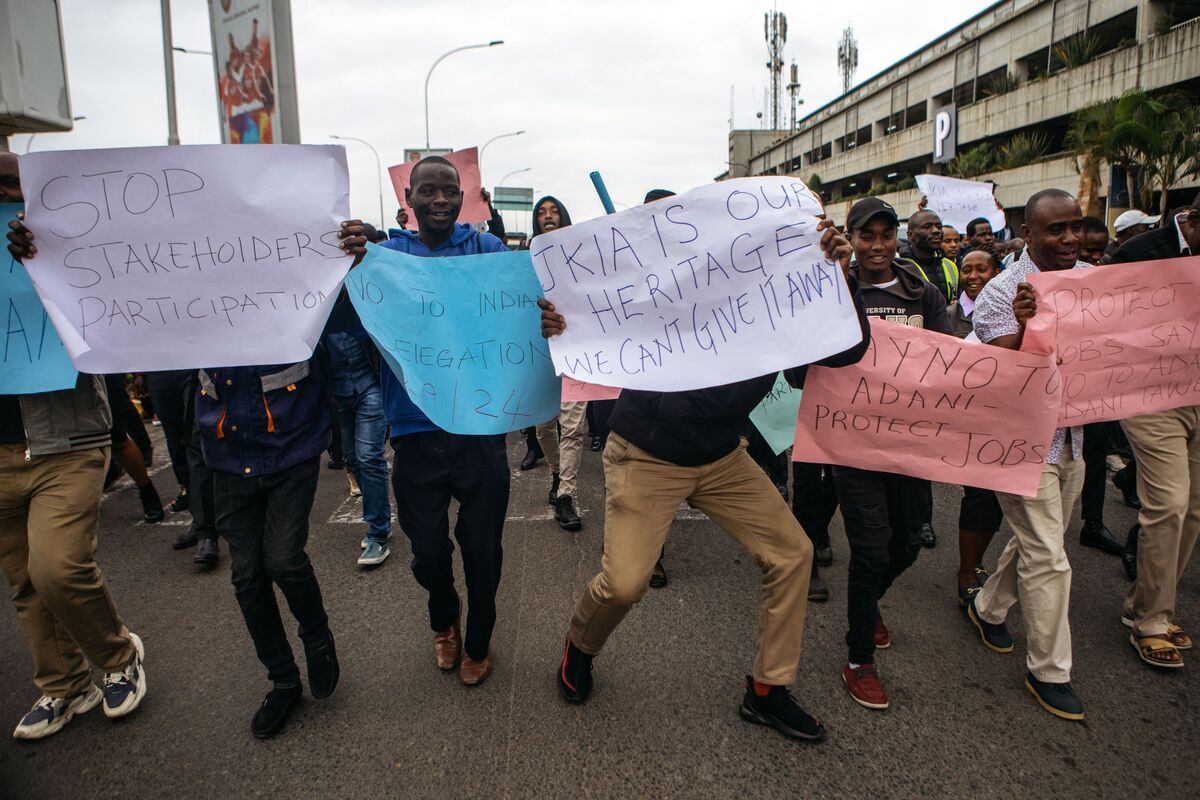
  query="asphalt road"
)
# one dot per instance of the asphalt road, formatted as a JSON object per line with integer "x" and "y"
{"x": 663, "y": 719}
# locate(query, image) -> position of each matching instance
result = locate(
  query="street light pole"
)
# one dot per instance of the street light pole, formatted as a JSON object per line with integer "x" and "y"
{"x": 489, "y": 141}
{"x": 378, "y": 174}
{"x": 430, "y": 74}
{"x": 169, "y": 69}
{"x": 509, "y": 175}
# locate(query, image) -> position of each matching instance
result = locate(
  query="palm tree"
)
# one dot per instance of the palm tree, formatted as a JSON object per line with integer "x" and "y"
{"x": 1088, "y": 139}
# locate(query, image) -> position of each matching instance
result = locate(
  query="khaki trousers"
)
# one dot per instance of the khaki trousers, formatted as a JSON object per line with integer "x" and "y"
{"x": 1034, "y": 569}
{"x": 1167, "y": 448}
{"x": 564, "y": 454}
{"x": 49, "y": 516}
{"x": 643, "y": 495}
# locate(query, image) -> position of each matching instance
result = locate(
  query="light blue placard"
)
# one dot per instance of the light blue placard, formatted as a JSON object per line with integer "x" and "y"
{"x": 462, "y": 334}
{"x": 775, "y": 416}
{"x": 32, "y": 358}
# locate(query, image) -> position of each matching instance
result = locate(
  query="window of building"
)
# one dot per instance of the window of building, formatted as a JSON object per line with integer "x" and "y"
{"x": 896, "y": 120}
{"x": 851, "y": 128}
{"x": 966, "y": 74}
{"x": 916, "y": 114}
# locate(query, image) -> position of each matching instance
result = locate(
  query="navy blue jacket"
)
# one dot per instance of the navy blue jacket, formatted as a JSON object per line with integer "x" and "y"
{"x": 260, "y": 420}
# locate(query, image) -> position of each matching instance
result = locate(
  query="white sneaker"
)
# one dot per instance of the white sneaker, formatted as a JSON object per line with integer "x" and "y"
{"x": 124, "y": 690}
{"x": 50, "y": 714}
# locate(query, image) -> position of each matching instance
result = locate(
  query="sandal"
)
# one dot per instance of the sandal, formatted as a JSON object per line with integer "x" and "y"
{"x": 1179, "y": 637}
{"x": 1157, "y": 651}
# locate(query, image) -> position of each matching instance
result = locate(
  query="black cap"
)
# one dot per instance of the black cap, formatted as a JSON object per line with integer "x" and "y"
{"x": 867, "y": 209}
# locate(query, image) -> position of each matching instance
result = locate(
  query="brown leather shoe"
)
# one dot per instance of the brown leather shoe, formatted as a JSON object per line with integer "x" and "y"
{"x": 472, "y": 672}
{"x": 447, "y": 646}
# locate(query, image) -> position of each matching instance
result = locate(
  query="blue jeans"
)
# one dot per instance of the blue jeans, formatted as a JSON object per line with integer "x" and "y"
{"x": 363, "y": 433}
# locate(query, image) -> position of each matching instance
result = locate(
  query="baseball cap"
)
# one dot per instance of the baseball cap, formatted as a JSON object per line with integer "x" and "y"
{"x": 1133, "y": 217}
{"x": 867, "y": 209}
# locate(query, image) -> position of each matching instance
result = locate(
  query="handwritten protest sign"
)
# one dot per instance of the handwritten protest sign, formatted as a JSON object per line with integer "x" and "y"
{"x": 153, "y": 258}
{"x": 34, "y": 359}
{"x": 1128, "y": 336}
{"x": 958, "y": 202}
{"x": 462, "y": 334}
{"x": 720, "y": 284}
{"x": 469, "y": 180}
{"x": 928, "y": 405}
{"x": 775, "y": 416}
{"x": 574, "y": 391}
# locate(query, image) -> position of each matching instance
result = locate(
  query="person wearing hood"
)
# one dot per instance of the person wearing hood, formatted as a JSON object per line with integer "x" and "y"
{"x": 883, "y": 511}
{"x": 433, "y": 465}
{"x": 561, "y": 438}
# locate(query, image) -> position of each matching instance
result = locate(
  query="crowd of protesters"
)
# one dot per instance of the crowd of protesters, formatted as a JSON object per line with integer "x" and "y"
{"x": 246, "y": 447}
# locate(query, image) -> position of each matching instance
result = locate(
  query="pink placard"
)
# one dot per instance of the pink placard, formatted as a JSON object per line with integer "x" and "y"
{"x": 1127, "y": 335}
{"x": 932, "y": 406}
{"x": 574, "y": 391}
{"x": 467, "y": 164}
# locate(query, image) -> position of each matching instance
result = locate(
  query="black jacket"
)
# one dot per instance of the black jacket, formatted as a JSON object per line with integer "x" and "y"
{"x": 912, "y": 301}
{"x": 703, "y": 425}
{"x": 1150, "y": 246}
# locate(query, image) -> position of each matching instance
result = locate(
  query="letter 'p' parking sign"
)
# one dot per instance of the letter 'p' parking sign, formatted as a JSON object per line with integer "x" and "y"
{"x": 945, "y": 134}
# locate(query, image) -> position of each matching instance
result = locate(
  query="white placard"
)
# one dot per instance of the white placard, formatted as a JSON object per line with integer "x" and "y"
{"x": 720, "y": 284}
{"x": 154, "y": 258}
{"x": 958, "y": 202}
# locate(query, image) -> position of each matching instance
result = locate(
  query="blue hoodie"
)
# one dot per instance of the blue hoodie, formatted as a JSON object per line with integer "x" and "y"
{"x": 402, "y": 413}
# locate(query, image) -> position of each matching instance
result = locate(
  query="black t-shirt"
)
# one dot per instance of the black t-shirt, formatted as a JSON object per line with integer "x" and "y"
{"x": 12, "y": 428}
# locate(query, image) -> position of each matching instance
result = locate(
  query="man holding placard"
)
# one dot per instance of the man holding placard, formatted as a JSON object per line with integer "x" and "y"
{"x": 433, "y": 465}
{"x": 667, "y": 447}
{"x": 1167, "y": 447}
{"x": 1033, "y": 568}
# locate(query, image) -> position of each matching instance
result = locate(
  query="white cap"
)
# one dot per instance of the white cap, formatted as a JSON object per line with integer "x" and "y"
{"x": 1133, "y": 217}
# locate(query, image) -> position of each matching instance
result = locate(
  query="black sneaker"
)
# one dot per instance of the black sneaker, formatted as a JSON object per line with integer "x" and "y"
{"x": 274, "y": 711}
{"x": 994, "y": 637}
{"x": 323, "y": 669}
{"x": 152, "y": 507}
{"x": 824, "y": 554}
{"x": 180, "y": 504}
{"x": 575, "y": 674}
{"x": 185, "y": 540}
{"x": 596, "y": 448}
{"x": 928, "y": 537}
{"x": 565, "y": 514}
{"x": 553, "y": 494}
{"x": 1057, "y": 698}
{"x": 531, "y": 459}
{"x": 779, "y": 710}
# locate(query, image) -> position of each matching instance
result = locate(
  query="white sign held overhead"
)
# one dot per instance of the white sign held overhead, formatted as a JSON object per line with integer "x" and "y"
{"x": 153, "y": 258}
{"x": 958, "y": 202}
{"x": 720, "y": 284}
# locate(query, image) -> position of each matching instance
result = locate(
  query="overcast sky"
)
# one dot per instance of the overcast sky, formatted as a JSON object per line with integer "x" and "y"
{"x": 637, "y": 89}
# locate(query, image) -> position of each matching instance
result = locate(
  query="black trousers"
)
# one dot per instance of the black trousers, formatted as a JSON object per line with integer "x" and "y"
{"x": 772, "y": 463}
{"x": 265, "y": 521}
{"x": 601, "y": 410}
{"x": 883, "y": 515}
{"x": 170, "y": 391}
{"x": 814, "y": 500}
{"x": 202, "y": 502}
{"x": 431, "y": 468}
{"x": 1097, "y": 439}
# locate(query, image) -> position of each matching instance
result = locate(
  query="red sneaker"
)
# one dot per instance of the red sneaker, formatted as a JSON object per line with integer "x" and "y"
{"x": 882, "y": 640}
{"x": 863, "y": 684}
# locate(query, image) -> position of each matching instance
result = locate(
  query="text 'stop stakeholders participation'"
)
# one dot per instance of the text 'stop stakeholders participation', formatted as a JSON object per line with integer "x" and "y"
{"x": 158, "y": 258}
{"x": 720, "y": 284}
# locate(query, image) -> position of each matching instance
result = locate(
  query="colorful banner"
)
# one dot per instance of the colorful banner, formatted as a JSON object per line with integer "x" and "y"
{"x": 34, "y": 359}
{"x": 574, "y": 391}
{"x": 462, "y": 334}
{"x": 928, "y": 405}
{"x": 467, "y": 164}
{"x": 246, "y": 71}
{"x": 958, "y": 202}
{"x": 1127, "y": 337}
{"x": 155, "y": 258}
{"x": 720, "y": 284}
{"x": 775, "y": 416}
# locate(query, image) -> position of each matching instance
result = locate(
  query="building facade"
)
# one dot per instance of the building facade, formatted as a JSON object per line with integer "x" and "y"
{"x": 1014, "y": 74}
